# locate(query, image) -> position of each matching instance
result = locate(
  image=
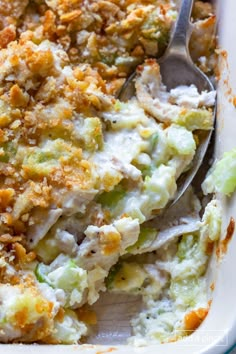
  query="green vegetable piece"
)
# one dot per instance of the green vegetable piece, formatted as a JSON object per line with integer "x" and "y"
{"x": 9, "y": 149}
{"x": 110, "y": 199}
{"x": 6, "y": 116}
{"x": 41, "y": 272}
{"x": 211, "y": 222}
{"x": 196, "y": 119}
{"x": 112, "y": 273}
{"x": 185, "y": 289}
{"x": 68, "y": 277}
{"x": 180, "y": 139}
{"x": 117, "y": 106}
{"x": 187, "y": 247}
{"x": 146, "y": 171}
{"x": 222, "y": 177}
{"x": 92, "y": 133}
{"x": 156, "y": 29}
{"x": 146, "y": 236}
{"x": 153, "y": 140}
{"x": 108, "y": 58}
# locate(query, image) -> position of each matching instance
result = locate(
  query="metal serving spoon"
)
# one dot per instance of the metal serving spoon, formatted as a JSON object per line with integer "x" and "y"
{"x": 177, "y": 68}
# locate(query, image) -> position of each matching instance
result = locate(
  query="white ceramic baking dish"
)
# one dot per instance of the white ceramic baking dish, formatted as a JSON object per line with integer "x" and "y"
{"x": 217, "y": 334}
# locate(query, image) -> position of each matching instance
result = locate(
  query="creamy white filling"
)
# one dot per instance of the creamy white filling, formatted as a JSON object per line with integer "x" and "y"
{"x": 189, "y": 97}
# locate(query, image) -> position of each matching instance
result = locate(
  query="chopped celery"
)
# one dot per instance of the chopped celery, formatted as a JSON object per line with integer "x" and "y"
{"x": 211, "y": 221}
{"x": 136, "y": 213}
{"x": 185, "y": 290}
{"x": 41, "y": 272}
{"x": 159, "y": 187}
{"x": 222, "y": 177}
{"x": 187, "y": 247}
{"x": 160, "y": 32}
{"x": 92, "y": 133}
{"x": 9, "y": 150}
{"x": 190, "y": 260}
{"x": 6, "y": 115}
{"x": 187, "y": 271}
{"x": 146, "y": 171}
{"x": 181, "y": 140}
{"x": 153, "y": 140}
{"x": 117, "y": 105}
{"x": 66, "y": 276}
{"x": 43, "y": 160}
{"x": 112, "y": 273}
{"x": 108, "y": 58}
{"x": 110, "y": 199}
{"x": 146, "y": 236}
{"x": 195, "y": 119}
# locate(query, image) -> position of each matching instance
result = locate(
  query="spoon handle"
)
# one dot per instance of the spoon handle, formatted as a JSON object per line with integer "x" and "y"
{"x": 180, "y": 37}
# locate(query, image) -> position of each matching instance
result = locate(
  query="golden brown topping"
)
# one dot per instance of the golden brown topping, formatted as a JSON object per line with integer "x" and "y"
{"x": 6, "y": 197}
{"x": 7, "y": 238}
{"x": 6, "y": 218}
{"x": 17, "y": 97}
{"x": 70, "y": 16}
{"x": 40, "y": 62}
{"x": 7, "y": 35}
{"x": 21, "y": 255}
{"x": 110, "y": 242}
{"x": 49, "y": 25}
{"x": 13, "y": 8}
{"x": 35, "y": 195}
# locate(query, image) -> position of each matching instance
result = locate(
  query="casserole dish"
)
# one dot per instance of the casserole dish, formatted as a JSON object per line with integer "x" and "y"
{"x": 215, "y": 335}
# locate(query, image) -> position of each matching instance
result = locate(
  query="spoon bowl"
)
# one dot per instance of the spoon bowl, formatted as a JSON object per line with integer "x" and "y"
{"x": 177, "y": 68}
